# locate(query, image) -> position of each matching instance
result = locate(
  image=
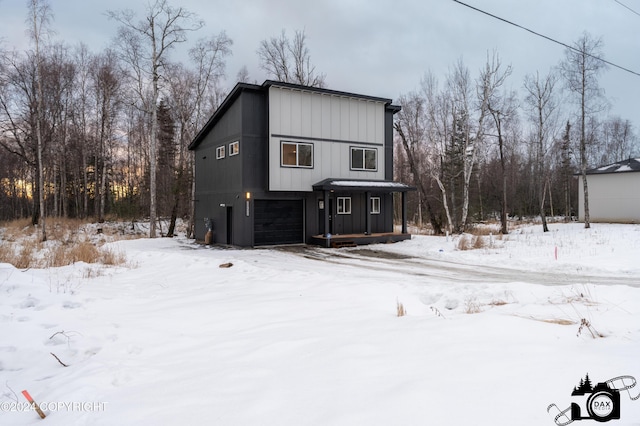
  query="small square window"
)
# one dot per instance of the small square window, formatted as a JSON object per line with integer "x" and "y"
{"x": 375, "y": 205}
{"x": 344, "y": 205}
{"x": 220, "y": 152}
{"x": 234, "y": 148}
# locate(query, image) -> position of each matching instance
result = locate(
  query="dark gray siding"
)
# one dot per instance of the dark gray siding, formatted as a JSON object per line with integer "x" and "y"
{"x": 221, "y": 185}
{"x": 218, "y": 181}
{"x": 355, "y": 223}
{"x": 255, "y": 142}
{"x": 388, "y": 144}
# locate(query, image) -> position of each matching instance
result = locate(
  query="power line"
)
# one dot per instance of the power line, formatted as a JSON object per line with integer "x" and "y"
{"x": 549, "y": 38}
{"x": 627, "y": 7}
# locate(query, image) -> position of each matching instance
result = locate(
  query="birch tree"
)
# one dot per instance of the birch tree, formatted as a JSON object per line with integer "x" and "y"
{"x": 189, "y": 90}
{"x": 440, "y": 118}
{"x": 410, "y": 127}
{"x": 40, "y": 16}
{"x": 503, "y": 110}
{"x": 145, "y": 46}
{"x": 543, "y": 112}
{"x": 580, "y": 68}
{"x": 289, "y": 61}
{"x": 106, "y": 87}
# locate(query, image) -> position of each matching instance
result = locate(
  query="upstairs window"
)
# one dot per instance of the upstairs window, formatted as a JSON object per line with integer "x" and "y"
{"x": 234, "y": 148}
{"x": 364, "y": 159}
{"x": 296, "y": 154}
{"x": 344, "y": 205}
{"x": 220, "y": 152}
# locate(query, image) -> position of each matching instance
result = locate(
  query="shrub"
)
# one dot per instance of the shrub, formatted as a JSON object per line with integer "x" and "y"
{"x": 472, "y": 306}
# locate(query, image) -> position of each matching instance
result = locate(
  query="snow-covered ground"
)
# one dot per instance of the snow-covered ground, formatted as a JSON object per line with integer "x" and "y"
{"x": 311, "y": 336}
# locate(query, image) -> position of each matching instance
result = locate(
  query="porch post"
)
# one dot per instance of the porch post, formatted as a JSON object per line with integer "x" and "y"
{"x": 325, "y": 194}
{"x": 404, "y": 212}
{"x": 367, "y": 207}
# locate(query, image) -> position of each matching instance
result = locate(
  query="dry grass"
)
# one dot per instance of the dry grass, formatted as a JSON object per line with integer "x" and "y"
{"x": 111, "y": 257}
{"x": 586, "y": 325}
{"x": 472, "y": 306}
{"x": 68, "y": 241}
{"x": 472, "y": 242}
{"x": 465, "y": 242}
{"x": 484, "y": 229}
{"x": 400, "y": 310}
{"x": 559, "y": 321}
{"x": 14, "y": 230}
{"x": 480, "y": 242}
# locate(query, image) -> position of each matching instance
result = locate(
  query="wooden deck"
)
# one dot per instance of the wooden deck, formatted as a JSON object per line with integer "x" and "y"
{"x": 352, "y": 240}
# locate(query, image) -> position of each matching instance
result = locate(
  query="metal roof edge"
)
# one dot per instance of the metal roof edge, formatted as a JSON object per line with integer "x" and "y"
{"x": 633, "y": 165}
{"x": 269, "y": 83}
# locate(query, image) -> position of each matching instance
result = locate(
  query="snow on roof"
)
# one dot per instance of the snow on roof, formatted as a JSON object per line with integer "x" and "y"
{"x": 358, "y": 183}
{"x": 328, "y": 184}
{"x": 629, "y": 165}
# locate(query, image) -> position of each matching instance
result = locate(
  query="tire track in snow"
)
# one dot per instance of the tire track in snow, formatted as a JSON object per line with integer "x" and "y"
{"x": 438, "y": 270}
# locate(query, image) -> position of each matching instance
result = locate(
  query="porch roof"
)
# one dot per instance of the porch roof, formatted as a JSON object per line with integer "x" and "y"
{"x": 361, "y": 185}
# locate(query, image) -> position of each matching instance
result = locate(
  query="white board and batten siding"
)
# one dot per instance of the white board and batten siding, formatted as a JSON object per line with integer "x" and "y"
{"x": 332, "y": 124}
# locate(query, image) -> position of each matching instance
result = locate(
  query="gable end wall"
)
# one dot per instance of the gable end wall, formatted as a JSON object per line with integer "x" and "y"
{"x": 613, "y": 197}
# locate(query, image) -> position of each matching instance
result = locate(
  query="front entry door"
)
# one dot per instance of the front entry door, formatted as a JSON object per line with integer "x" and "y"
{"x": 229, "y": 225}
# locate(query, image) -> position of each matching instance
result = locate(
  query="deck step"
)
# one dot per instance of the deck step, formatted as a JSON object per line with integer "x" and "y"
{"x": 340, "y": 244}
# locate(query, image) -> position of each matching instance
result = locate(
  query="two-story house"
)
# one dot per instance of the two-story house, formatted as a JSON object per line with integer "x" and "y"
{"x": 280, "y": 163}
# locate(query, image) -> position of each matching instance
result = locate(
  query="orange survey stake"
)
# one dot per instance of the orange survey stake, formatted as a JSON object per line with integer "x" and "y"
{"x": 33, "y": 403}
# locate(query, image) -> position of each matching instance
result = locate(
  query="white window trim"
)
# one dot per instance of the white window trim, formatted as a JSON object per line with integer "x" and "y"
{"x": 220, "y": 152}
{"x": 235, "y": 144}
{"x": 364, "y": 162}
{"x": 375, "y": 202}
{"x": 344, "y": 205}
{"x": 297, "y": 144}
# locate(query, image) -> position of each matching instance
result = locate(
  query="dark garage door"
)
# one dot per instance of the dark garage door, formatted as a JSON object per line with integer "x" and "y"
{"x": 278, "y": 222}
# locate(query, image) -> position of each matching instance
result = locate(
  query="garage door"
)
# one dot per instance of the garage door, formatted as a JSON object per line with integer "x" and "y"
{"x": 278, "y": 222}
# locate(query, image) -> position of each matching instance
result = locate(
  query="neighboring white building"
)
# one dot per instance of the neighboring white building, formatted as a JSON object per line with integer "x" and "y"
{"x": 614, "y": 193}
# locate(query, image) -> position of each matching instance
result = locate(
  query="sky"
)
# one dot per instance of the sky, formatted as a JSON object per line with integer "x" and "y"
{"x": 383, "y": 48}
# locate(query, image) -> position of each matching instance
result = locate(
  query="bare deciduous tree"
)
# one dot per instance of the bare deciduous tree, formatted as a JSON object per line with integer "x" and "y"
{"x": 618, "y": 138}
{"x": 106, "y": 87}
{"x": 40, "y": 15}
{"x": 581, "y": 67}
{"x": 410, "y": 126}
{"x": 503, "y": 109}
{"x": 543, "y": 108}
{"x": 146, "y": 44}
{"x": 289, "y": 61}
{"x": 243, "y": 75}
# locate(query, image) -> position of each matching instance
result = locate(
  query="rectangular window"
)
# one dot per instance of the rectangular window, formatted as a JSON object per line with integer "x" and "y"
{"x": 220, "y": 152}
{"x": 297, "y": 154}
{"x": 364, "y": 159}
{"x": 344, "y": 205}
{"x": 375, "y": 205}
{"x": 234, "y": 148}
